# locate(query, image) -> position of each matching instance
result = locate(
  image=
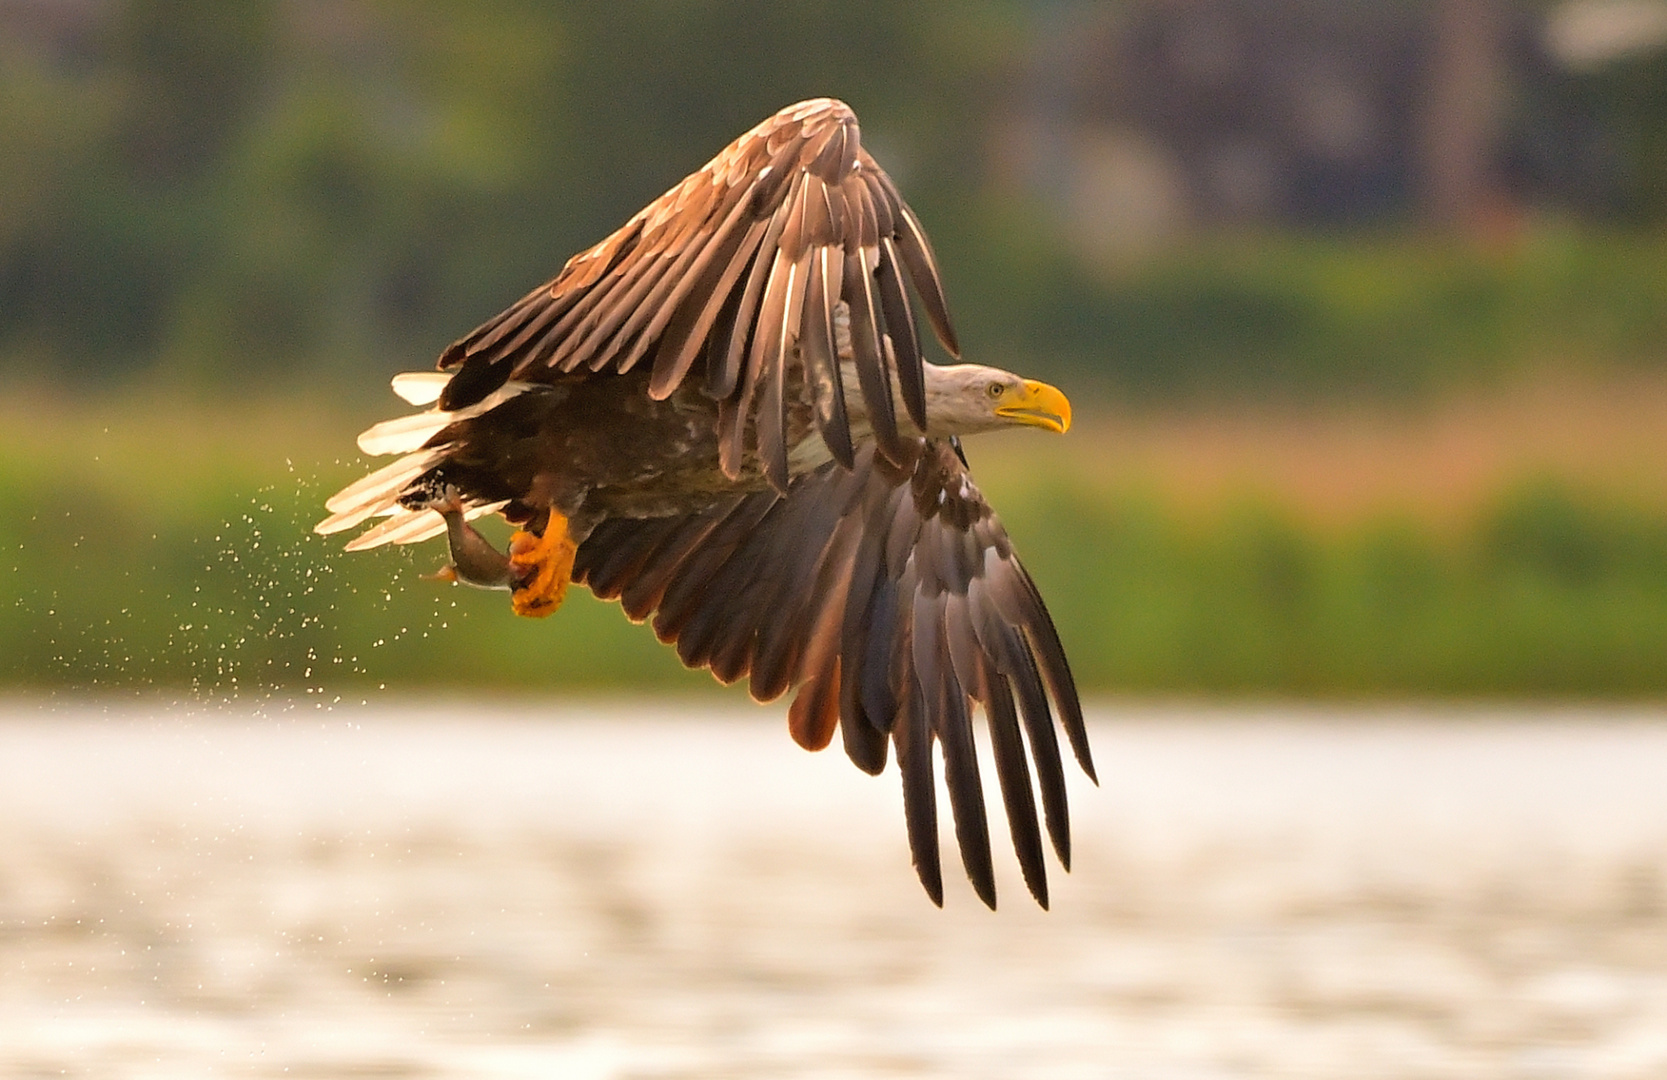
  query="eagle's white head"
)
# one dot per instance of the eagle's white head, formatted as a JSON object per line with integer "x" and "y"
{"x": 965, "y": 399}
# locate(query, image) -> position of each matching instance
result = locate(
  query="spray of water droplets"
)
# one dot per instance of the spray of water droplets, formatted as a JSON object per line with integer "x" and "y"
{"x": 236, "y": 601}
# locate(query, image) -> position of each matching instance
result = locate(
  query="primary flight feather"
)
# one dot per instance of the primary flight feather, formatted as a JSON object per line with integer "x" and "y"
{"x": 721, "y": 417}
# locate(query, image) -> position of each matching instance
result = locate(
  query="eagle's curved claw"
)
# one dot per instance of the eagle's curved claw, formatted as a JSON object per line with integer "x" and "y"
{"x": 543, "y": 565}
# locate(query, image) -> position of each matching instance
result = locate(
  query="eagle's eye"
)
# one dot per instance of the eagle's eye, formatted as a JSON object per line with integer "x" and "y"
{"x": 996, "y": 389}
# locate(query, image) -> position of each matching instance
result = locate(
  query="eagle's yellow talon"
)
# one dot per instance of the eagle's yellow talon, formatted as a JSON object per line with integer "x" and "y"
{"x": 548, "y": 563}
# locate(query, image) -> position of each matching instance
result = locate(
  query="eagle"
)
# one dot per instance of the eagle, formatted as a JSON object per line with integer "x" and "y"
{"x": 720, "y": 416}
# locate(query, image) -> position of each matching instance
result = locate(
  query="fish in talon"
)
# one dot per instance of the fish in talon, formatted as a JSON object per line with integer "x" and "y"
{"x": 474, "y": 561}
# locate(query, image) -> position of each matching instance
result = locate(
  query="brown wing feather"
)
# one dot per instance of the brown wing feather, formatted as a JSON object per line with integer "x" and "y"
{"x": 889, "y": 595}
{"x": 740, "y": 235}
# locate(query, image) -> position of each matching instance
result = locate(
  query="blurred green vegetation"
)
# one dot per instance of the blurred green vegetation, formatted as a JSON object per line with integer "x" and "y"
{"x": 222, "y": 225}
{"x": 1386, "y": 316}
{"x": 273, "y": 195}
{"x": 171, "y": 549}
{"x": 276, "y": 192}
{"x": 1545, "y": 591}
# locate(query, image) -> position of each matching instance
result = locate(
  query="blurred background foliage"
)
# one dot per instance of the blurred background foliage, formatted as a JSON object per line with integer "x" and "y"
{"x": 1301, "y": 263}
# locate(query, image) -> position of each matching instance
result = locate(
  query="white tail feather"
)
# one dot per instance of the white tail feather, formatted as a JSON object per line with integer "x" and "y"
{"x": 402, "y": 434}
{"x": 404, "y": 527}
{"x": 336, "y": 523}
{"x": 384, "y": 482}
{"x": 340, "y": 522}
{"x": 421, "y": 387}
{"x": 379, "y": 492}
{"x": 414, "y": 526}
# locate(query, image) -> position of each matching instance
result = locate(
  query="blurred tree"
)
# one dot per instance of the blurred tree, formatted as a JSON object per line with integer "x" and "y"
{"x": 192, "y": 70}
{"x": 50, "y": 131}
{"x": 1630, "y": 97}
{"x": 279, "y": 188}
{"x": 261, "y": 186}
{"x": 1462, "y": 111}
{"x": 118, "y": 229}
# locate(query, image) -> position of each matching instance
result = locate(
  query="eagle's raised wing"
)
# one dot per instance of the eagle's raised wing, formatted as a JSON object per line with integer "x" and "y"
{"x": 889, "y": 595}
{"x": 742, "y": 264}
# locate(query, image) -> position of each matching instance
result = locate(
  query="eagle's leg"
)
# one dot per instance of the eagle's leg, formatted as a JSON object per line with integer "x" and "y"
{"x": 544, "y": 564}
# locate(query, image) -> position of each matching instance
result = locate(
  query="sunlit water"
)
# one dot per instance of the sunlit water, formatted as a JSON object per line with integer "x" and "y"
{"x": 564, "y": 891}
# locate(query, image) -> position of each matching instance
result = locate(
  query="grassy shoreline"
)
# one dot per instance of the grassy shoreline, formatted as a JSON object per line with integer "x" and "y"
{"x": 168, "y": 545}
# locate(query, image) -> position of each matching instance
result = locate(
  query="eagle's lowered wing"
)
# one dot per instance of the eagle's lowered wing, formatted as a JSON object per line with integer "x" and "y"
{"x": 890, "y": 597}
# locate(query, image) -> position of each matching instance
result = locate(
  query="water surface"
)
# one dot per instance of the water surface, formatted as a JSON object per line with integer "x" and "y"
{"x": 565, "y": 890}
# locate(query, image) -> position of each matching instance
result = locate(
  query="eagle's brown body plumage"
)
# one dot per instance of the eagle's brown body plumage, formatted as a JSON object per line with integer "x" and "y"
{"x": 722, "y": 414}
{"x": 597, "y": 447}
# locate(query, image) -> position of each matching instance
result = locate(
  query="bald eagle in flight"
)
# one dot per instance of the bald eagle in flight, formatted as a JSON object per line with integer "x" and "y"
{"x": 720, "y": 416}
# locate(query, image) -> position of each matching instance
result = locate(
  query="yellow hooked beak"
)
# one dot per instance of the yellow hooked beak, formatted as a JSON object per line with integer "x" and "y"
{"x": 1039, "y": 405}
